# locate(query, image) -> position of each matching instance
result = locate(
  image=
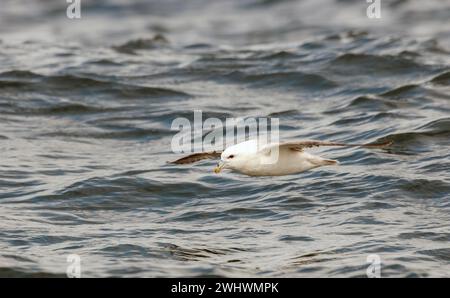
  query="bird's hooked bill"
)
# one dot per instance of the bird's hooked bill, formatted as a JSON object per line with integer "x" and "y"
{"x": 219, "y": 167}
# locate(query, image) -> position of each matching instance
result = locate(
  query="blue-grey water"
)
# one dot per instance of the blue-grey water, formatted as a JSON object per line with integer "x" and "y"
{"x": 86, "y": 107}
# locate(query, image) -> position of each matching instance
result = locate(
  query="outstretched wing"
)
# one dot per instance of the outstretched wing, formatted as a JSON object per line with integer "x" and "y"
{"x": 300, "y": 145}
{"x": 197, "y": 157}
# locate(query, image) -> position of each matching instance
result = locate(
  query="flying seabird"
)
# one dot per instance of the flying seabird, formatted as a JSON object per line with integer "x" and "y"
{"x": 273, "y": 159}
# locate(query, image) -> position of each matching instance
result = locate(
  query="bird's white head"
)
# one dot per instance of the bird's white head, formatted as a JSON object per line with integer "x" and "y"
{"x": 236, "y": 156}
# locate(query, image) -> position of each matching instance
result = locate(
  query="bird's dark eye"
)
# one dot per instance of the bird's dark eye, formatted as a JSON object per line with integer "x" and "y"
{"x": 231, "y": 156}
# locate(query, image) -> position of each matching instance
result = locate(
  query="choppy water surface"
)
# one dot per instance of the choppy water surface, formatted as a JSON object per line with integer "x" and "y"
{"x": 86, "y": 108}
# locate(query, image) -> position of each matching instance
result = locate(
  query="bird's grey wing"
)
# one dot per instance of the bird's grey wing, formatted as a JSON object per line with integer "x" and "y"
{"x": 301, "y": 145}
{"x": 197, "y": 157}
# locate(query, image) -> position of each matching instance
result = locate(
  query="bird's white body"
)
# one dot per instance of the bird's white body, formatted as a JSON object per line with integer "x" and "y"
{"x": 269, "y": 160}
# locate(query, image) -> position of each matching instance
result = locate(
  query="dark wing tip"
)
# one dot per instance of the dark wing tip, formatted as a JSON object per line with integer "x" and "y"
{"x": 196, "y": 157}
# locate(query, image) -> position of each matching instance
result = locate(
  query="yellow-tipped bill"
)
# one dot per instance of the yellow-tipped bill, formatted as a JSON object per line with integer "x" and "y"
{"x": 219, "y": 167}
